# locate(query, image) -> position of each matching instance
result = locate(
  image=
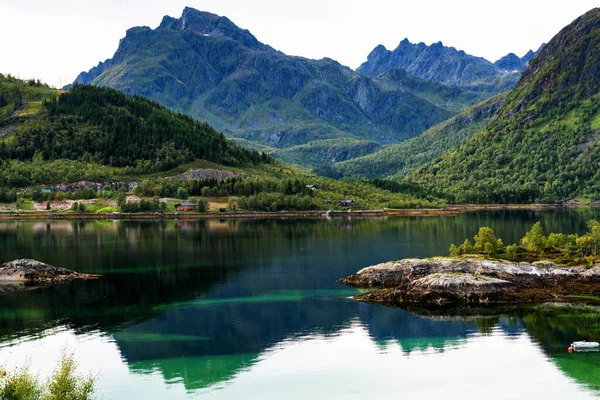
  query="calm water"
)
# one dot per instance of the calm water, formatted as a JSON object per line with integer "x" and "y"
{"x": 251, "y": 309}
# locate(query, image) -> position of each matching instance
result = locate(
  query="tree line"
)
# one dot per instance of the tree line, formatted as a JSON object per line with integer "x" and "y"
{"x": 571, "y": 249}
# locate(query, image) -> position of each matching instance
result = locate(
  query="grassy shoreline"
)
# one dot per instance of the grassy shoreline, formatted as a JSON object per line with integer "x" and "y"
{"x": 452, "y": 210}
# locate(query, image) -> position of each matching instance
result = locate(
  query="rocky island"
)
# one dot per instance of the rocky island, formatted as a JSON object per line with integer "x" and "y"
{"x": 554, "y": 268}
{"x": 472, "y": 280}
{"x": 26, "y": 274}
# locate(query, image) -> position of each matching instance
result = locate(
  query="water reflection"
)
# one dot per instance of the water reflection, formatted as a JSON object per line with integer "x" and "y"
{"x": 189, "y": 307}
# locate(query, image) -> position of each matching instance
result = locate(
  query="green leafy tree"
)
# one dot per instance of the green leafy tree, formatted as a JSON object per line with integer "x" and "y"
{"x": 586, "y": 245}
{"x": 557, "y": 241}
{"x": 182, "y": 193}
{"x": 511, "y": 251}
{"x": 202, "y": 205}
{"x": 486, "y": 241}
{"x": 465, "y": 248}
{"x": 594, "y": 233}
{"x": 534, "y": 241}
{"x": 231, "y": 205}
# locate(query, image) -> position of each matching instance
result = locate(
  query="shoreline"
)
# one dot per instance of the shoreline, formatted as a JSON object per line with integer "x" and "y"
{"x": 451, "y": 210}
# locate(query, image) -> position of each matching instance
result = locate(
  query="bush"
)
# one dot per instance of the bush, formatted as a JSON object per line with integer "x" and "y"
{"x": 106, "y": 210}
{"x": 21, "y": 385}
{"x": 64, "y": 384}
{"x": 107, "y": 192}
{"x": 453, "y": 250}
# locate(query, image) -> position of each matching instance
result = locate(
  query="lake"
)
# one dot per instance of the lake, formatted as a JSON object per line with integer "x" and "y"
{"x": 251, "y": 309}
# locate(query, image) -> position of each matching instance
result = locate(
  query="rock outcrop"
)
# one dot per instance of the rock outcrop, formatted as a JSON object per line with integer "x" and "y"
{"x": 30, "y": 273}
{"x": 97, "y": 186}
{"x": 207, "y": 173}
{"x": 472, "y": 280}
{"x": 204, "y": 173}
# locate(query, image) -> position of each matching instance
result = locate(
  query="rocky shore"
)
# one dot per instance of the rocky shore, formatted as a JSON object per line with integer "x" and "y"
{"x": 455, "y": 281}
{"x": 22, "y": 274}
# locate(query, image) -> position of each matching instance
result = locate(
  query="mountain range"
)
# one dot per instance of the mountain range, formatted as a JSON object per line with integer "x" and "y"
{"x": 522, "y": 129}
{"x": 535, "y": 143}
{"x": 308, "y": 112}
{"x": 448, "y": 65}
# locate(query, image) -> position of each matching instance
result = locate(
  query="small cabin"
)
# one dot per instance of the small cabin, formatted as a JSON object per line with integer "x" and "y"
{"x": 346, "y": 203}
{"x": 312, "y": 187}
{"x": 186, "y": 206}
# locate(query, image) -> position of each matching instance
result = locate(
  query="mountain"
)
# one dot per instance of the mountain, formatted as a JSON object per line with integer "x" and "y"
{"x": 447, "y": 65}
{"x": 512, "y": 62}
{"x": 397, "y": 160}
{"x": 205, "y": 66}
{"x": 542, "y": 144}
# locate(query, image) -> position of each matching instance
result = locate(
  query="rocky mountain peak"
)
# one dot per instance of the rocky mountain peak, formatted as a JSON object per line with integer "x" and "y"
{"x": 529, "y": 56}
{"x": 436, "y": 62}
{"x": 378, "y": 52}
{"x": 208, "y": 24}
{"x": 510, "y": 62}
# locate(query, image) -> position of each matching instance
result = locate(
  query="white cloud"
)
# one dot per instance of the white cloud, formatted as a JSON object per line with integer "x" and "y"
{"x": 58, "y": 39}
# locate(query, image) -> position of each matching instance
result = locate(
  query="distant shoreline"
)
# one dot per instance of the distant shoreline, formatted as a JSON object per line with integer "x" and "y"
{"x": 451, "y": 210}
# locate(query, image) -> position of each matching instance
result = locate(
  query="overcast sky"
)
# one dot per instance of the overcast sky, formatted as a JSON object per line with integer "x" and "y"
{"x": 54, "y": 40}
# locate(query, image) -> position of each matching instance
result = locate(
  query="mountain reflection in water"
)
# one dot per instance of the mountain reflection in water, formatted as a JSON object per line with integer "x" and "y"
{"x": 239, "y": 309}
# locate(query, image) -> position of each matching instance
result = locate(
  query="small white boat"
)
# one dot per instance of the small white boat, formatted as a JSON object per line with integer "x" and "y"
{"x": 585, "y": 345}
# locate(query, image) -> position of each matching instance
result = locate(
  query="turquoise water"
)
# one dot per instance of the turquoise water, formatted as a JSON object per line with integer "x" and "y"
{"x": 251, "y": 309}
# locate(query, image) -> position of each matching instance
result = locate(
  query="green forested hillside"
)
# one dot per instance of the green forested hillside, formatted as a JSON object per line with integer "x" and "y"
{"x": 321, "y": 154}
{"x": 106, "y": 129}
{"x": 542, "y": 146}
{"x": 112, "y": 140}
{"x": 20, "y": 97}
{"x": 398, "y": 160}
